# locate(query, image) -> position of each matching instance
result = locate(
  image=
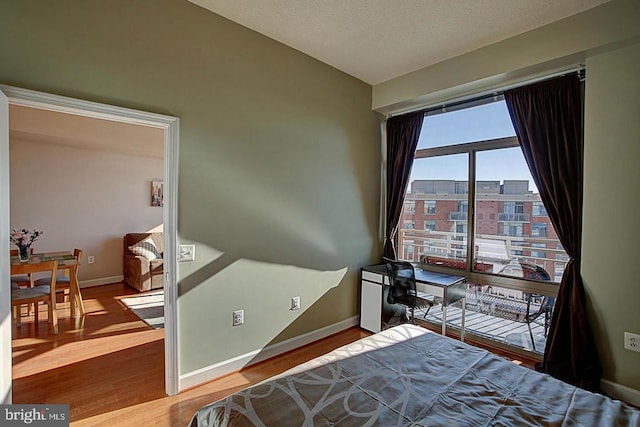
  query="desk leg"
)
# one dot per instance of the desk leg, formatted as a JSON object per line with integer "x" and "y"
{"x": 444, "y": 320}
{"x": 464, "y": 309}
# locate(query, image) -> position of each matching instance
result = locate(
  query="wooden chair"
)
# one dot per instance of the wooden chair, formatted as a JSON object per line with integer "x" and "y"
{"x": 63, "y": 280}
{"x": 46, "y": 294}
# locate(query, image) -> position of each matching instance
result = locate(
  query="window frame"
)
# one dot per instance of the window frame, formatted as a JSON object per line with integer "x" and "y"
{"x": 481, "y": 278}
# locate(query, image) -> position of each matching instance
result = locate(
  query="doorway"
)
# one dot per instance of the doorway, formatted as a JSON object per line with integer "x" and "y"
{"x": 169, "y": 130}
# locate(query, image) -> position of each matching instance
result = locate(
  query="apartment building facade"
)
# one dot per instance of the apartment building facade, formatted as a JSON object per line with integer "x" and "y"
{"x": 511, "y": 223}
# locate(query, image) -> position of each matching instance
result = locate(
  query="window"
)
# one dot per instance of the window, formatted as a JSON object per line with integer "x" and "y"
{"x": 538, "y": 254}
{"x": 539, "y": 229}
{"x": 538, "y": 209}
{"x": 410, "y": 225}
{"x": 514, "y": 211}
{"x": 512, "y": 230}
{"x": 430, "y": 207}
{"x": 489, "y": 218}
{"x": 495, "y": 219}
{"x": 449, "y": 240}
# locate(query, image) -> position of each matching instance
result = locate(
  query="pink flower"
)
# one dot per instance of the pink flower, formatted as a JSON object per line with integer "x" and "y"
{"x": 23, "y": 238}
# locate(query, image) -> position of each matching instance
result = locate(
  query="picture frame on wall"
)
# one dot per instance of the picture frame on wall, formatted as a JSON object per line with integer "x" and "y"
{"x": 157, "y": 193}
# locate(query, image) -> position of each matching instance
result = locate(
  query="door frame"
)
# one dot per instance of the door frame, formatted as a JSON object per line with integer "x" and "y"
{"x": 5, "y": 270}
{"x": 170, "y": 124}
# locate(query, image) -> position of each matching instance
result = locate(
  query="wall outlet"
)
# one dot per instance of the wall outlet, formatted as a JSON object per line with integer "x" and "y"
{"x": 238, "y": 317}
{"x": 91, "y": 259}
{"x": 295, "y": 303}
{"x": 632, "y": 341}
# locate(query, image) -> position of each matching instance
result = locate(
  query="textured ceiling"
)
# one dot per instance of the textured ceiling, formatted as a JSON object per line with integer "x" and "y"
{"x": 377, "y": 40}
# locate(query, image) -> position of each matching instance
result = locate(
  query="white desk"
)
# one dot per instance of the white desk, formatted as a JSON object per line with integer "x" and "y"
{"x": 377, "y": 314}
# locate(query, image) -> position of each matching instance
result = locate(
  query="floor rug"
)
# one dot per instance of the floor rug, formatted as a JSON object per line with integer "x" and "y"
{"x": 149, "y": 307}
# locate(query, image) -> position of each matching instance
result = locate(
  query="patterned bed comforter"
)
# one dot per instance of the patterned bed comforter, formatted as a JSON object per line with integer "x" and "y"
{"x": 408, "y": 376}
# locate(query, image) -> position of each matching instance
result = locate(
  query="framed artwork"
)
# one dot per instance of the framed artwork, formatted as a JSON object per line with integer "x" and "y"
{"x": 156, "y": 193}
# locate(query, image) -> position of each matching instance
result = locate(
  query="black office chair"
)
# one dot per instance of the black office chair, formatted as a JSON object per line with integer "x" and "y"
{"x": 402, "y": 289}
{"x": 532, "y": 271}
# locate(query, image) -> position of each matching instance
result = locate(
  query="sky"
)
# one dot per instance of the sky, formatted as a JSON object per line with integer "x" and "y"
{"x": 488, "y": 121}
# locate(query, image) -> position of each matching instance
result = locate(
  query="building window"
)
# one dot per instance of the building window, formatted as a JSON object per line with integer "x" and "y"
{"x": 537, "y": 209}
{"x": 409, "y": 225}
{"x": 410, "y": 207}
{"x": 538, "y": 254}
{"x": 430, "y": 207}
{"x": 512, "y": 230}
{"x": 480, "y": 138}
{"x": 539, "y": 229}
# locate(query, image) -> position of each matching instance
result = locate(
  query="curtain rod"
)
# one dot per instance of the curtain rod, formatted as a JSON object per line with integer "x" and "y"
{"x": 481, "y": 96}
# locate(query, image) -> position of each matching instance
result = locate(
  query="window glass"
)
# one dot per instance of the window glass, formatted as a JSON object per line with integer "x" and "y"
{"x": 512, "y": 245}
{"x": 538, "y": 209}
{"x": 430, "y": 207}
{"x": 512, "y": 232}
{"x": 503, "y": 223}
{"x": 538, "y": 229}
{"x": 439, "y": 233}
{"x": 483, "y": 122}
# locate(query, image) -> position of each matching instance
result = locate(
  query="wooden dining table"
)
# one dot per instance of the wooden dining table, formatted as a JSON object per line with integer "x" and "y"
{"x": 66, "y": 261}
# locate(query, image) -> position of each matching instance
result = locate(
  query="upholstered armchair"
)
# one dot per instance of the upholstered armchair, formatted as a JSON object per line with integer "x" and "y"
{"x": 143, "y": 263}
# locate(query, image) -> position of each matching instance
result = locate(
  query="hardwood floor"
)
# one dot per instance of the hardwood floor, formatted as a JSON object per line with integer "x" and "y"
{"x": 110, "y": 366}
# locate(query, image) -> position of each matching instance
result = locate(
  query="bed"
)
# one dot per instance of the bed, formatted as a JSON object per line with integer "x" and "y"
{"x": 408, "y": 375}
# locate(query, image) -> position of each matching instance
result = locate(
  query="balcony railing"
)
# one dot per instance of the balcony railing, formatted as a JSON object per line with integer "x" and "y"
{"x": 458, "y": 216}
{"x": 514, "y": 217}
{"x": 499, "y": 314}
{"x": 496, "y": 250}
{"x": 492, "y": 311}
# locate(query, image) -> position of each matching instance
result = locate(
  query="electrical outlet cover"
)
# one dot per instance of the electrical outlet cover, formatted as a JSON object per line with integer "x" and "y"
{"x": 632, "y": 341}
{"x": 238, "y": 317}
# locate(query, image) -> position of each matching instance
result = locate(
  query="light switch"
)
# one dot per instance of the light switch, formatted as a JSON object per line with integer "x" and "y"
{"x": 186, "y": 253}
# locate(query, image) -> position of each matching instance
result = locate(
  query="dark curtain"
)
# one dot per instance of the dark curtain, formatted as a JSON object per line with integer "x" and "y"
{"x": 547, "y": 117}
{"x": 402, "y": 139}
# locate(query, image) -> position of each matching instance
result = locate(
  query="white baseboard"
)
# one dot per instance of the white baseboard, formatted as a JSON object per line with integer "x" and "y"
{"x": 100, "y": 281}
{"x": 211, "y": 372}
{"x": 621, "y": 392}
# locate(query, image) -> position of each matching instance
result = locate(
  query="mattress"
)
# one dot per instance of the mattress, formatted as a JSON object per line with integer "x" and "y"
{"x": 408, "y": 376}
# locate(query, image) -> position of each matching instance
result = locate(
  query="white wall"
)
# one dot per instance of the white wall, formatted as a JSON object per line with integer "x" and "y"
{"x": 84, "y": 199}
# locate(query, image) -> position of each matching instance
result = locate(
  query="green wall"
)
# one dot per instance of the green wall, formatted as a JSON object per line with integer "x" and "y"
{"x": 611, "y": 251}
{"x": 279, "y": 180}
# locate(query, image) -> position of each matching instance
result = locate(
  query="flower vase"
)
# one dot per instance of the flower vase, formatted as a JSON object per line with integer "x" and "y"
{"x": 23, "y": 253}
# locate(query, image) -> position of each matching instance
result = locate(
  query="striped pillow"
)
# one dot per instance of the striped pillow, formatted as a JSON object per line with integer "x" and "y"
{"x": 146, "y": 248}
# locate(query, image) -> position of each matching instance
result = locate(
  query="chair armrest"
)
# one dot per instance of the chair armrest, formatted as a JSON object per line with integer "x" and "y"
{"x": 136, "y": 270}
